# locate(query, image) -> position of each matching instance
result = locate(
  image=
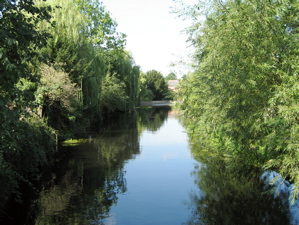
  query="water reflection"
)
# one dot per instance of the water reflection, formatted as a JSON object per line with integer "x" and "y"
{"x": 86, "y": 183}
{"x": 153, "y": 118}
{"x": 232, "y": 199}
{"x": 89, "y": 181}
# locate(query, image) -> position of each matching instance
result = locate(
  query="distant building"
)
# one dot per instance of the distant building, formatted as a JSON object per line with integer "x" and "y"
{"x": 172, "y": 85}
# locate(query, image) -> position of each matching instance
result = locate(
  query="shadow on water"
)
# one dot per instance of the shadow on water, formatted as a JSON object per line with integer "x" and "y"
{"x": 86, "y": 181}
{"x": 228, "y": 198}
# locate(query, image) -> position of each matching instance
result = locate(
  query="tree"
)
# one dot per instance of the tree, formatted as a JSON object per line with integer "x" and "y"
{"x": 242, "y": 96}
{"x": 171, "y": 76}
{"x": 71, "y": 50}
{"x": 122, "y": 65}
{"x": 144, "y": 93}
{"x": 156, "y": 83}
{"x": 58, "y": 96}
{"x": 100, "y": 27}
{"x": 26, "y": 141}
{"x": 19, "y": 39}
{"x": 86, "y": 46}
{"x": 114, "y": 97}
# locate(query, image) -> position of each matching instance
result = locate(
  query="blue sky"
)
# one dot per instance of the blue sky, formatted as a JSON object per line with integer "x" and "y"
{"x": 153, "y": 34}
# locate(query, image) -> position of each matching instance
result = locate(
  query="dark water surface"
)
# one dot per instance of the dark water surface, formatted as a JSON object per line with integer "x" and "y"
{"x": 139, "y": 170}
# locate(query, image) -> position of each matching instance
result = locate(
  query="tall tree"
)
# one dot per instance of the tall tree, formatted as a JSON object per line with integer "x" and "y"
{"x": 101, "y": 29}
{"x": 242, "y": 96}
{"x": 26, "y": 142}
{"x": 19, "y": 39}
{"x": 86, "y": 45}
{"x": 123, "y": 65}
{"x": 70, "y": 50}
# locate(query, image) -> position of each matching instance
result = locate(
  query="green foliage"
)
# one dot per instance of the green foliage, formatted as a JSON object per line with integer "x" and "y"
{"x": 75, "y": 142}
{"x": 26, "y": 88}
{"x": 101, "y": 28}
{"x": 58, "y": 97}
{"x": 155, "y": 82}
{"x": 171, "y": 76}
{"x": 122, "y": 66}
{"x": 79, "y": 40}
{"x": 170, "y": 95}
{"x": 144, "y": 93}
{"x": 75, "y": 53}
{"x": 242, "y": 98}
{"x": 85, "y": 45}
{"x": 26, "y": 142}
{"x": 114, "y": 96}
{"x": 19, "y": 40}
{"x": 56, "y": 86}
{"x": 27, "y": 145}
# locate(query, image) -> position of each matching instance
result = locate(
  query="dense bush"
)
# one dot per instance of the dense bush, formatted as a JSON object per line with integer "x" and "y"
{"x": 27, "y": 146}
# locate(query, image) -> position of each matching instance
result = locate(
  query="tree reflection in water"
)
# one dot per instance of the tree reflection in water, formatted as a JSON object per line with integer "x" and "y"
{"x": 92, "y": 180}
{"x": 232, "y": 199}
{"x": 87, "y": 182}
{"x": 153, "y": 118}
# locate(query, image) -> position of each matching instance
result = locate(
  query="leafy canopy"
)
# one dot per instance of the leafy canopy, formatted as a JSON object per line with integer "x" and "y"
{"x": 242, "y": 98}
{"x": 156, "y": 83}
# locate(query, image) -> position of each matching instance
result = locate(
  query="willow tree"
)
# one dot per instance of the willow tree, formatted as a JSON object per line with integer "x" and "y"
{"x": 69, "y": 49}
{"x": 84, "y": 42}
{"x": 121, "y": 66}
{"x": 101, "y": 29}
{"x": 242, "y": 97}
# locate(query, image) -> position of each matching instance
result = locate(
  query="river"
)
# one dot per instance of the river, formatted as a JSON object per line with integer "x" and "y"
{"x": 136, "y": 170}
{"x": 139, "y": 170}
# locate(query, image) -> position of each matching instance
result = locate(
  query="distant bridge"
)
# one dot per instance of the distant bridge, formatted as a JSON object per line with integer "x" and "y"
{"x": 157, "y": 103}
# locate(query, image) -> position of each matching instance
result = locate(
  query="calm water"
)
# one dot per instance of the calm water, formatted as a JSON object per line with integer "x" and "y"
{"x": 139, "y": 170}
{"x": 158, "y": 179}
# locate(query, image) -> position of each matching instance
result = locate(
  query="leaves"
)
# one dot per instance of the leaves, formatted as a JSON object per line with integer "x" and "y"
{"x": 57, "y": 86}
{"x": 243, "y": 96}
{"x": 156, "y": 83}
{"x": 114, "y": 97}
{"x": 101, "y": 28}
{"x": 60, "y": 51}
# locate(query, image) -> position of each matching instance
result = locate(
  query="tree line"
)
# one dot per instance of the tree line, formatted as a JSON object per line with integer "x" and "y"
{"x": 63, "y": 68}
{"x": 242, "y": 98}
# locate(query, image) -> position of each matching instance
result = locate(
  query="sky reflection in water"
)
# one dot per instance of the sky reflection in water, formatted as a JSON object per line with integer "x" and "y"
{"x": 158, "y": 180}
